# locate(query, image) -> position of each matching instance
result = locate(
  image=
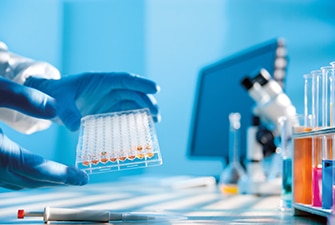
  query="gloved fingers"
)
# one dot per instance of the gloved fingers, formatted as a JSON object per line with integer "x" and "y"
{"x": 39, "y": 169}
{"x": 133, "y": 105}
{"x": 95, "y": 93}
{"x": 70, "y": 115}
{"x": 44, "y": 174}
{"x": 111, "y": 103}
{"x": 13, "y": 181}
{"x": 21, "y": 168}
{"x": 121, "y": 80}
{"x": 10, "y": 186}
{"x": 26, "y": 100}
{"x": 103, "y": 81}
{"x": 140, "y": 84}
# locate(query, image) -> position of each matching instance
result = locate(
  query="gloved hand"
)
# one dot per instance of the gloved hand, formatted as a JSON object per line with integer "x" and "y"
{"x": 20, "y": 168}
{"x": 91, "y": 93}
{"x": 26, "y": 100}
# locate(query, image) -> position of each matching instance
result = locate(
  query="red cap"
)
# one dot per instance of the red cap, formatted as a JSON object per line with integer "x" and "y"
{"x": 20, "y": 214}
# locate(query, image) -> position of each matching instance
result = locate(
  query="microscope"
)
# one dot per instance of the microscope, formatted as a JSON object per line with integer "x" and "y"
{"x": 271, "y": 104}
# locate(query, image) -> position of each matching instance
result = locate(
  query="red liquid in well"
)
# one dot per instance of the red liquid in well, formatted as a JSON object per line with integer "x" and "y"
{"x": 104, "y": 160}
{"x": 113, "y": 159}
{"x": 131, "y": 157}
{"x": 95, "y": 161}
{"x": 122, "y": 158}
{"x": 140, "y": 156}
{"x": 86, "y": 163}
{"x": 150, "y": 154}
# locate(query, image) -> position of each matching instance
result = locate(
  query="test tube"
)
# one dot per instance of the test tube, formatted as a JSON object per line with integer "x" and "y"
{"x": 302, "y": 162}
{"x": 316, "y": 102}
{"x": 311, "y": 112}
{"x": 325, "y": 98}
{"x": 332, "y": 137}
{"x": 317, "y": 171}
{"x": 309, "y": 101}
{"x": 333, "y": 125}
{"x": 331, "y": 75}
{"x": 286, "y": 153}
{"x": 327, "y": 142}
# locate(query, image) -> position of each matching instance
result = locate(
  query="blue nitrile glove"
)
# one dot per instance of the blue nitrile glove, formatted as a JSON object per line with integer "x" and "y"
{"x": 26, "y": 100}
{"x": 20, "y": 168}
{"x": 91, "y": 93}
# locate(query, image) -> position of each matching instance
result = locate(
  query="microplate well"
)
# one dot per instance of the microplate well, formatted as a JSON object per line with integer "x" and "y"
{"x": 117, "y": 141}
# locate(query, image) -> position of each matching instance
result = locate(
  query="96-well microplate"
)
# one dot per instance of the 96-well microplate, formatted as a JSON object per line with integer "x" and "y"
{"x": 117, "y": 141}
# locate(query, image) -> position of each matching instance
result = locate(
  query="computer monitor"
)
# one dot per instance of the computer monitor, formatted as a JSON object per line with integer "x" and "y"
{"x": 219, "y": 92}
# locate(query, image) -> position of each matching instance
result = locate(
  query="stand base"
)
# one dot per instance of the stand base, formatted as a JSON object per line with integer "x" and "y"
{"x": 267, "y": 187}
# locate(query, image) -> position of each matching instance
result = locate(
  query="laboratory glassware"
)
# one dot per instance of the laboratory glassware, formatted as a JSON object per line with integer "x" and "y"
{"x": 302, "y": 163}
{"x": 312, "y": 110}
{"x": 333, "y": 137}
{"x": 233, "y": 171}
{"x": 327, "y": 142}
{"x": 117, "y": 141}
{"x": 286, "y": 151}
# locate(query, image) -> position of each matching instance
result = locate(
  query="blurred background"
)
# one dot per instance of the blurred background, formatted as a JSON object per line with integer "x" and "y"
{"x": 168, "y": 41}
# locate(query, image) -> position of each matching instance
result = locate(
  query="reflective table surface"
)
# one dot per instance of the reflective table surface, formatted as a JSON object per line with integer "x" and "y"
{"x": 182, "y": 205}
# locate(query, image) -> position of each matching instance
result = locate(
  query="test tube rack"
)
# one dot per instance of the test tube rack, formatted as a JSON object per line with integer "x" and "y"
{"x": 117, "y": 141}
{"x": 299, "y": 208}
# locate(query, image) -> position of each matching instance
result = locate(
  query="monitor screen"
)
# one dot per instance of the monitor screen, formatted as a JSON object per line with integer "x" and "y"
{"x": 219, "y": 93}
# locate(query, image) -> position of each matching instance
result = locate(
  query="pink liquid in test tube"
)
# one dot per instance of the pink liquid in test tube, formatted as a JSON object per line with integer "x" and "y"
{"x": 316, "y": 188}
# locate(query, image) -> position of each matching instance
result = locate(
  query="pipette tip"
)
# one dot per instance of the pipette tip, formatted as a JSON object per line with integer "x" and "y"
{"x": 61, "y": 214}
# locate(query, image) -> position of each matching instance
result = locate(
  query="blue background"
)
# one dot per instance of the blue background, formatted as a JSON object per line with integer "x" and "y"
{"x": 168, "y": 41}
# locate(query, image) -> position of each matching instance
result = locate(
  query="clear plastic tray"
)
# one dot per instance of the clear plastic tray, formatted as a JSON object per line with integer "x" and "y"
{"x": 117, "y": 141}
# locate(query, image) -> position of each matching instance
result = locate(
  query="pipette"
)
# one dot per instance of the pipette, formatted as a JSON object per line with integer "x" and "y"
{"x": 93, "y": 215}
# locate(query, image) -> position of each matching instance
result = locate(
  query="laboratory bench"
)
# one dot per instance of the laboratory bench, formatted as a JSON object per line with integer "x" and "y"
{"x": 182, "y": 204}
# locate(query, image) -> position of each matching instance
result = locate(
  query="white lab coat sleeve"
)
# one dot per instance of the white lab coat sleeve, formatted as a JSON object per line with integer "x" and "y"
{"x": 18, "y": 69}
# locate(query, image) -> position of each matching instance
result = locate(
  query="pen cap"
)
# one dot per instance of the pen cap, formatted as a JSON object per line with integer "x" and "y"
{"x": 20, "y": 214}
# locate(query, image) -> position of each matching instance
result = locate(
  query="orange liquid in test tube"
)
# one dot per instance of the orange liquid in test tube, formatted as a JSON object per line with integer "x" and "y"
{"x": 302, "y": 171}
